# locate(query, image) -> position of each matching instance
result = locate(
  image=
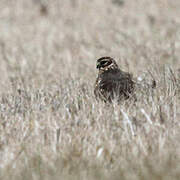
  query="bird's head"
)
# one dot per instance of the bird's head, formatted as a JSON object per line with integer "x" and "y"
{"x": 106, "y": 63}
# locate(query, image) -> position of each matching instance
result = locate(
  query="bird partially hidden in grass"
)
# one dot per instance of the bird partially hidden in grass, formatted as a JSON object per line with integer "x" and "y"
{"x": 112, "y": 83}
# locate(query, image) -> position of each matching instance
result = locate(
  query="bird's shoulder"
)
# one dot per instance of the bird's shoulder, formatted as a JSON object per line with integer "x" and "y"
{"x": 117, "y": 75}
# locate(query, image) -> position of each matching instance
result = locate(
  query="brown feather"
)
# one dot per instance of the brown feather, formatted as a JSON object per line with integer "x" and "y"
{"x": 112, "y": 83}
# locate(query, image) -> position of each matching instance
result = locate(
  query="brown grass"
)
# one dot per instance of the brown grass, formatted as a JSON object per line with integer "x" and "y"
{"x": 51, "y": 126}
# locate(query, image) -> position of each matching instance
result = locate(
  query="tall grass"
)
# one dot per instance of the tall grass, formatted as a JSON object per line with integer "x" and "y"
{"x": 52, "y": 127}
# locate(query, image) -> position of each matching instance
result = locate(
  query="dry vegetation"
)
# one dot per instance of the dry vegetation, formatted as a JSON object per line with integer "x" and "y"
{"x": 51, "y": 126}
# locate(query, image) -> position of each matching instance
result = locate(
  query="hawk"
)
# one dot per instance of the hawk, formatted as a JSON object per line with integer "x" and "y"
{"x": 112, "y": 83}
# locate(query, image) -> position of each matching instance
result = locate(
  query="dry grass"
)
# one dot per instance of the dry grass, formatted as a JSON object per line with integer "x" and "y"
{"x": 51, "y": 126}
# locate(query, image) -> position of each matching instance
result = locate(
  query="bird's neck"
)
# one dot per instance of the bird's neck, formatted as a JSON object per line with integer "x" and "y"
{"x": 108, "y": 70}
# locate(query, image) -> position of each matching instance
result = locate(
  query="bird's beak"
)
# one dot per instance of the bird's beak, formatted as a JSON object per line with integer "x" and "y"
{"x": 98, "y": 65}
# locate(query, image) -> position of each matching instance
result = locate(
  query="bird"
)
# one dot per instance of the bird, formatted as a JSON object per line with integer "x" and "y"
{"x": 112, "y": 83}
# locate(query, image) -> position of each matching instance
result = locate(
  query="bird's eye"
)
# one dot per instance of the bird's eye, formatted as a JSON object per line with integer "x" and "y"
{"x": 104, "y": 62}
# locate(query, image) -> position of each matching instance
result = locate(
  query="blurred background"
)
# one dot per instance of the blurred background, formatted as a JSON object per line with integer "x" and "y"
{"x": 61, "y": 37}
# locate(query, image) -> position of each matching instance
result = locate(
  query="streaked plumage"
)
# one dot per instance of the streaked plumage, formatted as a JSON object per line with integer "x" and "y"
{"x": 112, "y": 83}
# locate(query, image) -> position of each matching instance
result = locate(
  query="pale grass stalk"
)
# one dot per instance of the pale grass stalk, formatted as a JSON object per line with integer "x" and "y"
{"x": 162, "y": 141}
{"x": 142, "y": 145}
{"x": 99, "y": 152}
{"x": 147, "y": 116}
{"x": 128, "y": 121}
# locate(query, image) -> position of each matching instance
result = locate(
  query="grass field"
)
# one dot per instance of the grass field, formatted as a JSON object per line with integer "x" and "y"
{"x": 51, "y": 126}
